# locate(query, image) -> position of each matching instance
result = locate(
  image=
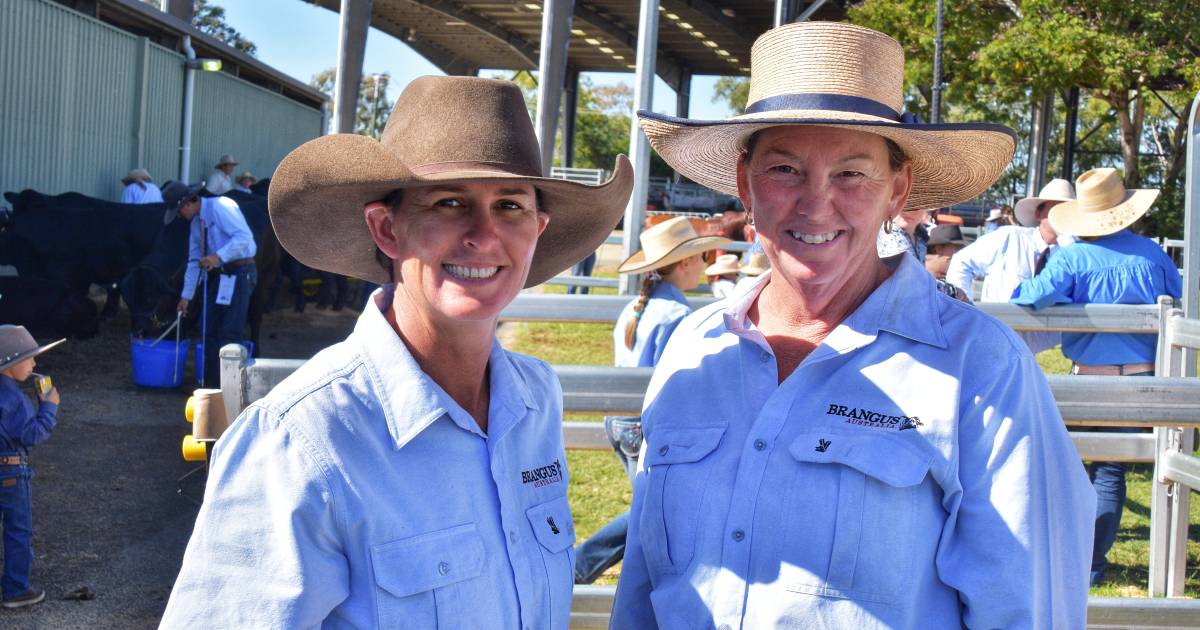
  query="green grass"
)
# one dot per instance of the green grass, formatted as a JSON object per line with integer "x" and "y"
{"x": 599, "y": 491}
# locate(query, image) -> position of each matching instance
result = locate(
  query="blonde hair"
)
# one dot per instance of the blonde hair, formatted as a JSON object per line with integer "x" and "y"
{"x": 651, "y": 281}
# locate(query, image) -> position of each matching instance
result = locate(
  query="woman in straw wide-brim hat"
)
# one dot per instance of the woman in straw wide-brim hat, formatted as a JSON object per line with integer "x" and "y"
{"x": 723, "y": 275}
{"x": 841, "y": 445}
{"x": 413, "y": 475}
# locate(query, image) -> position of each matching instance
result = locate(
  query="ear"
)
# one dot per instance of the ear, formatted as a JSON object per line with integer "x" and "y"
{"x": 543, "y": 219}
{"x": 743, "y": 181}
{"x": 901, "y": 189}
{"x": 381, "y": 223}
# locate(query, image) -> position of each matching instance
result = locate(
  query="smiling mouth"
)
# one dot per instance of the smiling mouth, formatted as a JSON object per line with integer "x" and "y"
{"x": 814, "y": 239}
{"x": 470, "y": 273}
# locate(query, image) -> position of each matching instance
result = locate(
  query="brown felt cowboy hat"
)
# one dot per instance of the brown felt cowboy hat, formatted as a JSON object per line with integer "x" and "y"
{"x": 1103, "y": 205}
{"x": 441, "y": 130}
{"x": 668, "y": 242}
{"x": 16, "y": 345}
{"x": 831, "y": 74}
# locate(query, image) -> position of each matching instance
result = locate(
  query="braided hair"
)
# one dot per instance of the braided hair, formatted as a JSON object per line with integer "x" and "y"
{"x": 651, "y": 281}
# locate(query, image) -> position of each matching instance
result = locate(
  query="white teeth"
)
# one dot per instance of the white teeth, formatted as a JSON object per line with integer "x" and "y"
{"x": 813, "y": 239}
{"x": 459, "y": 271}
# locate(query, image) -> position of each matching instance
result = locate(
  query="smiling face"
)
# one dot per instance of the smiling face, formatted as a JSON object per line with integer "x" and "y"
{"x": 460, "y": 251}
{"x": 819, "y": 196}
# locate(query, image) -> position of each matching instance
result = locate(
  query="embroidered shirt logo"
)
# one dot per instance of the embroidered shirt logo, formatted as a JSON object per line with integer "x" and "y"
{"x": 544, "y": 475}
{"x": 822, "y": 445}
{"x": 867, "y": 418}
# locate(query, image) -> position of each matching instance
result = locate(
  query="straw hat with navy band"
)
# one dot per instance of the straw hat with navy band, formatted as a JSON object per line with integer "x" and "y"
{"x": 668, "y": 242}
{"x": 835, "y": 75}
{"x": 442, "y": 130}
{"x": 16, "y": 345}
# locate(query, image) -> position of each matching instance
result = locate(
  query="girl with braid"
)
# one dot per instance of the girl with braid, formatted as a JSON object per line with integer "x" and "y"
{"x": 671, "y": 259}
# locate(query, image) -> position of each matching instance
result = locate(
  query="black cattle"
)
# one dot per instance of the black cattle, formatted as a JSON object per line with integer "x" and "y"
{"x": 47, "y": 308}
{"x": 151, "y": 289}
{"x": 76, "y": 240}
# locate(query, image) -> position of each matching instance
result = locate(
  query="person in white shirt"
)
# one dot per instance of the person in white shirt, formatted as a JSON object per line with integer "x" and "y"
{"x": 724, "y": 273}
{"x": 220, "y": 181}
{"x": 140, "y": 188}
{"x": 1010, "y": 254}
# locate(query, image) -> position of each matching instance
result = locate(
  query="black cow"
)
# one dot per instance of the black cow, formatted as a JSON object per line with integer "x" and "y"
{"x": 76, "y": 240}
{"x": 151, "y": 289}
{"x": 47, "y": 308}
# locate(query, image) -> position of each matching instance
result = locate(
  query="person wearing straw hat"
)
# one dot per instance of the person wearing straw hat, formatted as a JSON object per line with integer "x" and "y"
{"x": 723, "y": 275}
{"x": 244, "y": 181}
{"x": 21, "y": 428}
{"x": 221, "y": 179}
{"x": 1008, "y": 255}
{"x": 841, "y": 445}
{"x": 1109, "y": 264}
{"x": 671, "y": 258}
{"x": 140, "y": 188}
{"x": 413, "y": 475}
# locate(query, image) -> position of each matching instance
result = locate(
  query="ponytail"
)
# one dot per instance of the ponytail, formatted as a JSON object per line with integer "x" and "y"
{"x": 648, "y": 285}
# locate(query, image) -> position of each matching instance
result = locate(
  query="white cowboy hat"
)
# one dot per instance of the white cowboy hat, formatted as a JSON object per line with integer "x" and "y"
{"x": 835, "y": 75}
{"x": 757, "y": 264}
{"x": 226, "y": 159}
{"x": 668, "y": 242}
{"x": 726, "y": 264}
{"x": 1056, "y": 190}
{"x": 16, "y": 345}
{"x": 136, "y": 175}
{"x": 1103, "y": 207}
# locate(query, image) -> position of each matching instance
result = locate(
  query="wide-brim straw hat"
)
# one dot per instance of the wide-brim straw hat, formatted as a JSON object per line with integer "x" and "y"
{"x": 838, "y": 75}
{"x": 1103, "y": 205}
{"x": 1056, "y": 190}
{"x": 16, "y": 345}
{"x": 668, "y": 242}
{"x": 442, "y": 130}
{"x": 725, "y": 264}
{"x": 136, "y": 175}
{"x": 757, "y": 264}
{"x": 225, "y": 159}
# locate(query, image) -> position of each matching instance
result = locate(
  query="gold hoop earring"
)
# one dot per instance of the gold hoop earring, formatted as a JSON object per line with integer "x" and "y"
{"x": 887, "y": 226}
{"x": 750, "y": 219}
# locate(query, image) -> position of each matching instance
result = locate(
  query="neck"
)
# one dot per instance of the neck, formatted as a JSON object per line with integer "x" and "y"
{"x": 453, "y": 353}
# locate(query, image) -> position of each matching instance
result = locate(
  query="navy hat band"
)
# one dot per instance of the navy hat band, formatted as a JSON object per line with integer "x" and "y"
{"x": 834, "y": 102}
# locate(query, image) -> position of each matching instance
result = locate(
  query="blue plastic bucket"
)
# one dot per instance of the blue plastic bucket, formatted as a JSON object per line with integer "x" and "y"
{"x": 158, "y": 364}
{"x": 198, "y": 361}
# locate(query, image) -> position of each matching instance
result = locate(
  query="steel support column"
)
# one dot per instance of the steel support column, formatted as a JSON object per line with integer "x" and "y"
{"x": 683, "y": 98}
{"x": 1191, "y": 231}
{"x": 352, "y": 46}
{"x": 570, "y": 105}
{"x": 552, "y": 70}
{"x": 784, "y": 10}
{"x": 1039, "y": 137}
{"x": 639, "y": 146}
{"x": 1072, "y": 123}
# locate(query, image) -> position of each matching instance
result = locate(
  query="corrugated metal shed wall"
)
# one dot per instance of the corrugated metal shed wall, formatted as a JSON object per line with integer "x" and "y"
{"x": 74, "y": 93}
{"x": 256, "y": 126}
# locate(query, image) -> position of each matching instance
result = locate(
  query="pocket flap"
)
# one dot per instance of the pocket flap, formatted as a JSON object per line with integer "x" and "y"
{"x": 428, "y": 561}
{"x": 682, "y": 445}
{"x": 877, "y": 456}
{"x": 551, "y": 522}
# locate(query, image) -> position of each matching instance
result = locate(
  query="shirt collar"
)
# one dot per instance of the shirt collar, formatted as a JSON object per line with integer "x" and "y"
{"x": 905, "y": 304}
{"x": 666, "y": 291}
{"x": 411, "y": 401}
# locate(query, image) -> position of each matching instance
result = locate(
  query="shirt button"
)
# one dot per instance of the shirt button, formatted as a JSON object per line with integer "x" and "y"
{"x": 443, "y": 568}
{"x": 760, "y": 444}
{"x": 738, "y": 535}
{"x": 512, "y": 537}
{"x": 764, "y": 357}
{"x": 663, "y": 450}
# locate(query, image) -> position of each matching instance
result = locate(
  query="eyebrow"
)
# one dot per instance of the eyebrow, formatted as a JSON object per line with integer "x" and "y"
{"x": 792, "y": 156}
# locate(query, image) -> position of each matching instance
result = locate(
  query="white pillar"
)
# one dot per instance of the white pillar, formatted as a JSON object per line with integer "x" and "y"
{"x": 639, "y": 147}
{"x": 552, "y": 72}
{"x": 352, "y": 46}
{"x": 1191, "y": 231}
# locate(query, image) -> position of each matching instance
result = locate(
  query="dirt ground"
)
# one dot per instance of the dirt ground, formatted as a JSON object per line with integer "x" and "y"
{"x": 107, "y": 512}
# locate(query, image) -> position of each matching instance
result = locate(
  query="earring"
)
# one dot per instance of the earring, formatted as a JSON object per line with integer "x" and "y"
{"x": 887, "y": 226}
{"x": 750, "y": 219}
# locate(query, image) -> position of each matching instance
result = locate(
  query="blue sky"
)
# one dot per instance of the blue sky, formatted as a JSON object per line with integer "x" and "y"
{"x": 301, "y": 40}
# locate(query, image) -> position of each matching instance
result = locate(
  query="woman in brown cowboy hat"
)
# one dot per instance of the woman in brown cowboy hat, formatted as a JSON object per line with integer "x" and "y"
{"x": 841, "y": 445}
{"x": 413, "y": 475}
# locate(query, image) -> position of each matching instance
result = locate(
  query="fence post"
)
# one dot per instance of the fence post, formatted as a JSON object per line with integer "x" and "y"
{"x": 1160, "y": 501}
{"x": 233, "y": 359}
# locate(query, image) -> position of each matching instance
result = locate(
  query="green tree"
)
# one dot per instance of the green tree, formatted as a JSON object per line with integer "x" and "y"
{"x": 373, "y": 104}
{"x": 733, "y": 91}
{"x": 210, "y": 19}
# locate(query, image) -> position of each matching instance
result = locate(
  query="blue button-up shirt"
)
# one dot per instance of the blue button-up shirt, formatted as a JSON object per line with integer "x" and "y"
{"x": 1121, "y": 268}
{"x": 358, "y": 494}
{"x": 141, "y": 192}
{"x": 664, "y": 310}
{"x": 912, "y": 472}
{"x": 20, "y": 426}
{"x": 228, "y": 237}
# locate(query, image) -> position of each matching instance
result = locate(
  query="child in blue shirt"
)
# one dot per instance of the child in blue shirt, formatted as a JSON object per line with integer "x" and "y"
{"x": 20, "y": 429}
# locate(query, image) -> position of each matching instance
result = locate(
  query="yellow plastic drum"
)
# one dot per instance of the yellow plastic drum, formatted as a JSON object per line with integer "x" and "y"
{"x": 193, "y": 449}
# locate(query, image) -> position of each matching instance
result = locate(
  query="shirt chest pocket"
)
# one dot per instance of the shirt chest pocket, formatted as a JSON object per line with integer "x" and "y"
{"x": 555, "y": 534}
{"x": 850, "y": 515}
{"x": 422, "y": 581}
{"x": 677, "y": 464}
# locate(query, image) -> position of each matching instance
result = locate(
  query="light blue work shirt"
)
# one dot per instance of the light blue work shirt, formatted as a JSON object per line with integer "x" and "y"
{"x": 912, "y": 472}
{"x": 141, "y": 192}
{"x": 664, "y": 310}
{"x": 228, "y": 237}
{"x": 358, "y": 494}
{"x": 1121, "y": 268}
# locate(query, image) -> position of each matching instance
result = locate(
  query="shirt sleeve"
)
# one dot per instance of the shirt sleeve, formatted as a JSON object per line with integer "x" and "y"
{"x": 631, "y": 606}
{"x": 232, "y": 222}
{"x": 1053, "y": 285}
{"x": 971, "y": 262}
{"x": 662, "y": 334}
{"x": 127, "y": 195}
{"x": 1017, "y": 544}
{"x": 191, "y": 275}
{"x": 266, "y": 550}
{"x": 38, "y": 428}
